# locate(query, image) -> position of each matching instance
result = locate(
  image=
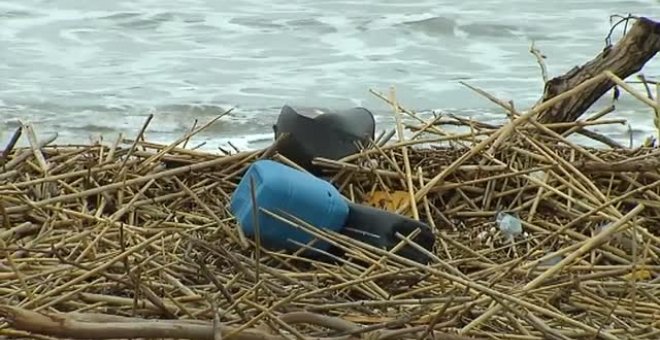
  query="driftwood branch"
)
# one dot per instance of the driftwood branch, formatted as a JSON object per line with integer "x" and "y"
{"x": 625, "y": 58}
{"x": 98, "y": 326}
{"x": 539, "y": 58}
{"x": 579, "y": 127}
{"x": 647, "y": 165}
{"x": 101, "y": 326}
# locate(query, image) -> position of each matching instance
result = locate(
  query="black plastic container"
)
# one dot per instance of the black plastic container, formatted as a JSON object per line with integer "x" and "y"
{"x": 316, "y": 132}
{"x": 379, "y": 227}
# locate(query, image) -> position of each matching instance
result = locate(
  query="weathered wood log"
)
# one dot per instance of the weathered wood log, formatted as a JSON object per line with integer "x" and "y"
{"x": 626, "y": 57}
{"x": 647, "y": 165}
{"x": 105, "y": 326}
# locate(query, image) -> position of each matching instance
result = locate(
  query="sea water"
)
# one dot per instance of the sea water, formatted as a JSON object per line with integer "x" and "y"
{"x": 91, "y": 69}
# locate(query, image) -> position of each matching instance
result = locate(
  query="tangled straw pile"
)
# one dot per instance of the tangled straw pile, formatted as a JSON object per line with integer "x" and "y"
{"x": 135, "y": 231}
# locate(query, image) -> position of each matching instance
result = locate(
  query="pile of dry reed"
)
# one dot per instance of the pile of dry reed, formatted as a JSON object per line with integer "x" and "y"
{"x": 99, "y": 240}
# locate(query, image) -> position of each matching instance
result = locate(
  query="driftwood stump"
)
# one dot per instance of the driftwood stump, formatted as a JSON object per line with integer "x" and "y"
{"x": 625, "y": 58}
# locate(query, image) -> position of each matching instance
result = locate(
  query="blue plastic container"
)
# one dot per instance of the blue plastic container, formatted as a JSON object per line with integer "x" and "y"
{"x": 280, "y": 188}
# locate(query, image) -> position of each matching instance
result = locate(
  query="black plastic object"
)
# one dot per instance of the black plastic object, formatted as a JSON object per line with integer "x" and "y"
{"x": 379, "y": 227}
{"x": 316, "y": 132}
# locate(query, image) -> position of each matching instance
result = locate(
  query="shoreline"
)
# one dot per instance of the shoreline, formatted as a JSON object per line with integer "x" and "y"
{"x": 640, "y": 121}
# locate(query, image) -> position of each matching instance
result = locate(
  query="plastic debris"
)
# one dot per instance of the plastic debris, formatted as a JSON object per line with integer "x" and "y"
{"x": 509, "y": 225}
{"x": 638, "y": 275}
{"x": 284, "y": 191}
{"x": 317, "y": 132}
{"x": 539, "y": 175}
{"x": 624, "y": 239}
{"x": 378, "y": 228}
{"x": 388, "y": 201}
{"x": 551, "y": 261}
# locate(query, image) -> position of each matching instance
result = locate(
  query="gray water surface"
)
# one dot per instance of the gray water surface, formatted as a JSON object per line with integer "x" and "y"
{"x": 89, "y": 68}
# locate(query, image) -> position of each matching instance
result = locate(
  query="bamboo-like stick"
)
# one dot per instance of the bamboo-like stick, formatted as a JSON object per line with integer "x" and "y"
{"x": 594, "y": 241}
{"x": 404, "y": 150}
{"x": 146, "y": 163}
{"x": 114, "y": 186}
{"x": 499, "y": 136}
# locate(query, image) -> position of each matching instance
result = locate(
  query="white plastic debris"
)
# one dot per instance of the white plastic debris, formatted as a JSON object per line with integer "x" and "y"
{"x": 370, "y": 164}
{"x": 539, "y": 175}
{"x": 551, "y": 261}
{"x": 624, "y": 239}
{"x": 482, "y": 235}
{"x": 602, "y": 227}
{"x": 509, "y": 225}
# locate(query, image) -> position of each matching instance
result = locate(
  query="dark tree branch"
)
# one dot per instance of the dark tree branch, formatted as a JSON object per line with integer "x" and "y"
{"x": 625, "y": 58}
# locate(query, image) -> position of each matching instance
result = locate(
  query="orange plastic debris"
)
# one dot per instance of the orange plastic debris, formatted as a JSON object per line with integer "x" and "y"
{"x": 388, "y": 201}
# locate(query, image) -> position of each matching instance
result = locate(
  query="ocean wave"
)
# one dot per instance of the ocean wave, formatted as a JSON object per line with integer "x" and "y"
{"x": 102, "y": 67}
